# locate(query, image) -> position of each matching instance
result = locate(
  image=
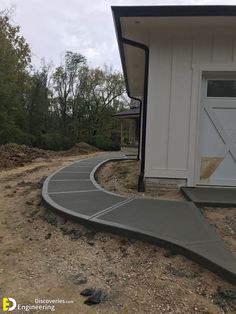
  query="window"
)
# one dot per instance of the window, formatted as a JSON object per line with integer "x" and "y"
{"x": 221, "y": 88}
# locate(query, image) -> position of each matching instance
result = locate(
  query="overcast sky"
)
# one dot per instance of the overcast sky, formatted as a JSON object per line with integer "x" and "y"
{"x": 52, "y": 27}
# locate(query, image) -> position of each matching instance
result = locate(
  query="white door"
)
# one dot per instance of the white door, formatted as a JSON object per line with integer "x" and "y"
{"x": 217, "y": 162}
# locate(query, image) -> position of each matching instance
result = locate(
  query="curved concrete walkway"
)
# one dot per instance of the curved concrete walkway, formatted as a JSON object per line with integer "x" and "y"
{"x": 73, "y": 191}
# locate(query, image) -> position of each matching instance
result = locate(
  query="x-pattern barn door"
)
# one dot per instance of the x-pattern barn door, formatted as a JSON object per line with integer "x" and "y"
{"x": 218, "y": 133}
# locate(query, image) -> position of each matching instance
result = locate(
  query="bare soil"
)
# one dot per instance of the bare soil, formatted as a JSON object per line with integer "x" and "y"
{"x": 47, "y": 257}
{"x": 14, "y": 155}
{"x": 122, "y": 178}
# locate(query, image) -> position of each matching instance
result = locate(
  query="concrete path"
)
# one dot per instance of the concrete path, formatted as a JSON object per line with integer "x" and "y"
{"x": 211, "y": 196}
{"x": 73, "y": 191}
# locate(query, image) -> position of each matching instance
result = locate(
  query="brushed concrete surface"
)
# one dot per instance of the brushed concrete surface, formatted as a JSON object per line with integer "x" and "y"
{"x": 78, "y": 196}
{"x": 212, "y": 196}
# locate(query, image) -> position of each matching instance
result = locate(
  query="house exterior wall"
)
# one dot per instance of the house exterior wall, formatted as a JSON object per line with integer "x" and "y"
{"x": 178, "y": 58}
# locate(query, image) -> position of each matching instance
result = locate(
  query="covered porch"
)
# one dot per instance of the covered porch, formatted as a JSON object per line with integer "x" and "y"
{"x": 129, "y": 130}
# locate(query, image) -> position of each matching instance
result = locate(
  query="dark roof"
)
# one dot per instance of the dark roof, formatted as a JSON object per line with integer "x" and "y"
{"x": 128, "y": 113}
{"x": 175, "y": 10}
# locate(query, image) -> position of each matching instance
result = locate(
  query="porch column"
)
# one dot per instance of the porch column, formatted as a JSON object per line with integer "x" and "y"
{"x": 121, "y": 133}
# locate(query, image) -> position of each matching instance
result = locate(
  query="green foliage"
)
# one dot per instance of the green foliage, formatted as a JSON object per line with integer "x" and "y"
{"x": 53, "y": 141}
{"x": 104, "y": 143}
{"x": 10, "y": 133}
{"x": 55, "y": 108}
{"x": 66, "y": 81}
{"x": 14, "y": 62}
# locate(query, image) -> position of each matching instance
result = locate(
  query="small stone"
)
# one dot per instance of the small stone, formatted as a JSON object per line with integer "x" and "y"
{"x": 174, "y": 271}
{"x": 88, "y": 292}
{"x": 41, "y": 181}
{"x": 170, "y": 254}
{"x": 95, "y": 298}
{"x": 29, "y": 202}
{"x": 48, "y": 236}
{"x": 90, "y": 235}
{"x": 132, "y": 241}
{"x": 111, "y": 274}
{"x": 73, "y": 233}
{"x": 64, "y": 230}
{"x": 224, "y": 297}
{"x": 123, "y": 241}
{"x": 78, "y": 279}
{"x": 50, "y": 217}
{"x": 39, "y": 204}
{"x": 90, "y": 243}
{"x": 124, "y": 251}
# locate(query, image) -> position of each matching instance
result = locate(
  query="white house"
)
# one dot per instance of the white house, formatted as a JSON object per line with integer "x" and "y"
{"x": 180, "y": 61}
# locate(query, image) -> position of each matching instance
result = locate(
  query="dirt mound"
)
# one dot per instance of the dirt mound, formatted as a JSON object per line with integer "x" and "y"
{"x": 12, "y": 155}
{"x": 82, "y": 148}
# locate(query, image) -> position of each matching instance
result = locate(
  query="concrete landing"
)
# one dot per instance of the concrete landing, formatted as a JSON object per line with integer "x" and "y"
{"x": 211, "y": 196}
{"x": 73, "y": 191}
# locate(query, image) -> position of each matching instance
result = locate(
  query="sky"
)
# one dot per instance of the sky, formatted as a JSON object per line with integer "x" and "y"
{"x": 52, "y": 27}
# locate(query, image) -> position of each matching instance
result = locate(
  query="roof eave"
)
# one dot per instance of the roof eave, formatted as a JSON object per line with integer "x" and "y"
{"x": 176, "y": 10}
{"x": 116, "y": 19}
{"x": 162, "y": 11}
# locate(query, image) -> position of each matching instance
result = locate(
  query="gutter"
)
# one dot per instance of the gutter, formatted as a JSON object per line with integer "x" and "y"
{"x": 143, "y": 104}
{"x": 143, "y": 110}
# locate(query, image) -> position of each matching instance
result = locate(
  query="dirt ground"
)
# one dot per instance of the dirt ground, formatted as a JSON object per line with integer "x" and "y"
{"x": 46, "y": 257}
{"x": 14, "y": 155}
{"x": 122, "y": 178}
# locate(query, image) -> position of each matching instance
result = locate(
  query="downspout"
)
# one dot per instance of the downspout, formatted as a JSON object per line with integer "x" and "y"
{"x": 141, "y": 185}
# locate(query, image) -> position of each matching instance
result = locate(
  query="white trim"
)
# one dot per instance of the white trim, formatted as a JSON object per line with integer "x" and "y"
{"x": 197, "y": 126}
{"x": 220, "y": 182}
{"x": 214, "y": 68}
{"x": 193, "y": 136}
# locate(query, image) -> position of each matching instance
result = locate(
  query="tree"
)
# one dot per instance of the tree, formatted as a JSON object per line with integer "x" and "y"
{"x": 66, "y": 85}
{"x": 14, "y": 66}
{"x": 54, "y": 108}
{"x": 102, "y": 92}
{"x": 38, "y": 102}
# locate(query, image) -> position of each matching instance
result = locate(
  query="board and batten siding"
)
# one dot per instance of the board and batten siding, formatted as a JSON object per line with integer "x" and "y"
{"x": 177, "y": 62}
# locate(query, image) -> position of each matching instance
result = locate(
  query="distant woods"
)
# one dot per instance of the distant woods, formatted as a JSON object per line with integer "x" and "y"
{"x": 55, "y": 107}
